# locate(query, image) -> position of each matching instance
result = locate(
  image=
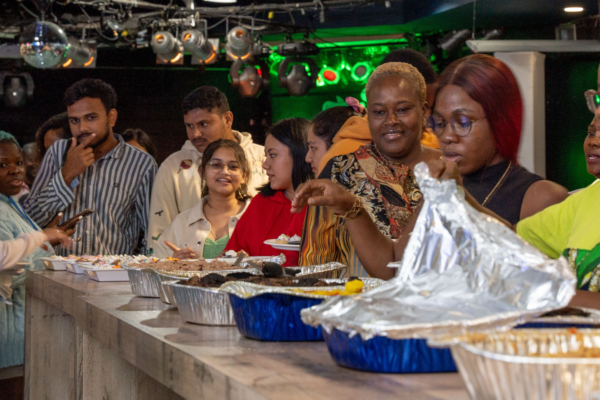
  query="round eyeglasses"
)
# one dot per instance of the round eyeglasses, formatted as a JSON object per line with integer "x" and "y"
{"x": 592, "y": 98}
{"x": 218, "y": 166}
{"x": 460, "y": 124}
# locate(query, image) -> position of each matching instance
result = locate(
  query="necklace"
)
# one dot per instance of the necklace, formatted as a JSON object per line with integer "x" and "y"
{"x": 497, "y": 184}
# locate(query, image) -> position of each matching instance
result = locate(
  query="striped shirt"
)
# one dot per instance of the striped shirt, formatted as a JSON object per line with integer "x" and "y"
{"x": 117, "y": 187}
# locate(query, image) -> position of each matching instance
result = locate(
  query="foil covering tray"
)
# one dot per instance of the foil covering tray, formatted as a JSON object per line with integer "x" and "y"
{"x": 273, "y": 313}
{"x": 142, "y": 282}
{"x": 507, "y": 365}
{"x": 462, "y": 271}
{"x": 566, "y": 321}
{"x": 384, "y": 355}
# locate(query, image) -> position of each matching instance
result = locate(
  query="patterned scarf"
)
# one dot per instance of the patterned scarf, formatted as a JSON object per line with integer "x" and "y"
{"x": 396, "y": 182}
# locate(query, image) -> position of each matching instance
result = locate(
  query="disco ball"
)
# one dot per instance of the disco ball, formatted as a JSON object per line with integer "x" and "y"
{"x": 43, "y": 44}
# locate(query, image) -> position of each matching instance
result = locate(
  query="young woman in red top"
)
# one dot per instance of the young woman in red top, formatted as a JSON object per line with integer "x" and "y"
{"x": 268, "y": 214}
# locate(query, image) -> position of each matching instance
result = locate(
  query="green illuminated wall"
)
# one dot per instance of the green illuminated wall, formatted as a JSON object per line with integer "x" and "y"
{"x": 567, "y": 117}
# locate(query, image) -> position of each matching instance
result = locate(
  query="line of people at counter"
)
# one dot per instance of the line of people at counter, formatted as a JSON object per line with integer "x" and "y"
{"x": 343, "y": 182}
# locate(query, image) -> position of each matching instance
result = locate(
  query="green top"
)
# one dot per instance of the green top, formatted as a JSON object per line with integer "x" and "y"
{"x": 212, "y": 249}
{"x": 570, "y": 228}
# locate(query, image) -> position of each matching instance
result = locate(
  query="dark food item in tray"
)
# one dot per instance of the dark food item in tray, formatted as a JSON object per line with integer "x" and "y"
{"x": 567, "y": 311}
{"x": 216, "y": 280}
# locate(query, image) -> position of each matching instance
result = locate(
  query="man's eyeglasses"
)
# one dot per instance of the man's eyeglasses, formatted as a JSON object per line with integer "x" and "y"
{"x": 218, "y": 166}
{"x": 460, "y": 124}
{"x": 592, "y": 98}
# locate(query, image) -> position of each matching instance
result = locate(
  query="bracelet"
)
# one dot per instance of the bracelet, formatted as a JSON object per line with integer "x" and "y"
{"x": 354, "y": 211}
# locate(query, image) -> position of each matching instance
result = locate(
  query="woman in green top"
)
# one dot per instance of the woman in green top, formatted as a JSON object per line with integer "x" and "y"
{"x": 204, "y": 230}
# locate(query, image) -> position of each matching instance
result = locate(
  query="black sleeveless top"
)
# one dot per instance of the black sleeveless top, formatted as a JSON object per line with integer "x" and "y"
{"x": 508, "y": 197}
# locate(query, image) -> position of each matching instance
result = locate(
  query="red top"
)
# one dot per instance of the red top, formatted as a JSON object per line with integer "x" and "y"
{"x": 267, "y": 218}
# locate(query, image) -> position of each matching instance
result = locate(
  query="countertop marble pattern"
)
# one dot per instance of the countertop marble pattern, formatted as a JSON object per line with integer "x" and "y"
{"x": 204, "y": 362}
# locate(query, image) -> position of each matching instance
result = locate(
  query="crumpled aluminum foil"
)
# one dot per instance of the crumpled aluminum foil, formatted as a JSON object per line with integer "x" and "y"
{"x": 462, "y": 271}
{"x": 247, "y": 290}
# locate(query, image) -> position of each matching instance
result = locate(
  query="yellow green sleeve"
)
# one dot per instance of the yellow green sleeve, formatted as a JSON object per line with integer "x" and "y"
{"x": 549, "y": 230}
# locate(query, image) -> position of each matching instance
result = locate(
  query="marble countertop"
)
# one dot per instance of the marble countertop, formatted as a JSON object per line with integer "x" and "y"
{"x": 201, "y": 362}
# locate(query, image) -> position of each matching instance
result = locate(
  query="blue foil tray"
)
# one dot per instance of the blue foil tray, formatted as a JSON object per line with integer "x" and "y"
{"x": 381, "y": 354}
{"x": 550, "y": 325}
{"x": 274, "y": 317}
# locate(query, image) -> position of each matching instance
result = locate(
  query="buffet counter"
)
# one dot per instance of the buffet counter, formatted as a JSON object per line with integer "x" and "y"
{"x": 96, "y": 340}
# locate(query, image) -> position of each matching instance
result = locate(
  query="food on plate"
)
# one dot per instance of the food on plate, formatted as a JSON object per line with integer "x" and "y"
{"x": 234, "y": 254}
{"x": 285, "y": 239}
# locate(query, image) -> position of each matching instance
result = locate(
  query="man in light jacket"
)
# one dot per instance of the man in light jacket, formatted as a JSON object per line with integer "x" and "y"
{"x": 178, "y": 185}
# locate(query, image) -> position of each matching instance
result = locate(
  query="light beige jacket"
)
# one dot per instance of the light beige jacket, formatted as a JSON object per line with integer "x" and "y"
{"x": 178, "y": 185}
{"x": 190, "y": 229}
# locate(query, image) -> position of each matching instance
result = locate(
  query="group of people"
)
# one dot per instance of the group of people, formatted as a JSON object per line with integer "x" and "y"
{"x": 343, "y": 182}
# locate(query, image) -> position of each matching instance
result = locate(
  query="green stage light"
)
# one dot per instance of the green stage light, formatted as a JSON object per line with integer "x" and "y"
{"x": 363, "y": 95}
{"x": 361, "y": 71}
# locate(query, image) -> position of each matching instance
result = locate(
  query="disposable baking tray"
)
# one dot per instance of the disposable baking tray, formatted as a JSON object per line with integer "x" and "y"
{"x": 566, "y": 321}
{"x": 525, "y": 364}
{"x": 273, "y": 313}
{"x": 381, "y": 354}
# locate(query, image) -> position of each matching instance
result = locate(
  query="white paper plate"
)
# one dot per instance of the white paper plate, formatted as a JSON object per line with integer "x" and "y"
{"x": 107, "y": 275}
{"x": 74, "y": 268}
{"x": 281, "y": 246}
{"x": 54, "y": 264}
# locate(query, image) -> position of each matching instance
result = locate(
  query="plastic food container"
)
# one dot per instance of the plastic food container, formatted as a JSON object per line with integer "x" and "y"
{"x": 107, "y": 275}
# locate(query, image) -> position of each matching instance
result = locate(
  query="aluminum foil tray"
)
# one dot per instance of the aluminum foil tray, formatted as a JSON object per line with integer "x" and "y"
{"x": 504, "y": 366}
{"x": 333, "y": 270}
{"x": 273, "y": 313}
{"x": 566, "y": 321}
{"x": 381, "y": 354}
{"x": 200, "y": 305}
{"x": 165, "y": 292}
{"x": 142, "y": 282}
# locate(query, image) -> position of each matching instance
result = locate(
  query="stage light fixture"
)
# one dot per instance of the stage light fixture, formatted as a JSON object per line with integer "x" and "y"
{"x": 43, "y": 44}
{"x": 253, "y": 78}
{"x": 78, "y": 54}
{"x": 298, "y": 81}
{"x": 167, "y": 48}
{"x": 199, "y": 46}
{"x": 15, "y": 88}
{"x": 453, "y": 41}
{"x": 239, "y": 43}
{"x": 330, "y": 76}
{"x": 360, "y": 71}
{"x": 573, "y": 9}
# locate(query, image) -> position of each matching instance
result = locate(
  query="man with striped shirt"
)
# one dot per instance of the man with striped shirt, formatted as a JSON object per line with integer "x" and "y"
{"x": 94, "y": 170}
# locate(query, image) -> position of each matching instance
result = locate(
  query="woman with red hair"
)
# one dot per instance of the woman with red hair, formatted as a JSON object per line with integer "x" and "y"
{"x": 477, "y": 116}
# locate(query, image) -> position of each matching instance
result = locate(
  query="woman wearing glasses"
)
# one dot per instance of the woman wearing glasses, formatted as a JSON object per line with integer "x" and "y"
{"x": 268, "y": 215}
{"x": 205, "y": 229}
{"x": 477, "y": 116}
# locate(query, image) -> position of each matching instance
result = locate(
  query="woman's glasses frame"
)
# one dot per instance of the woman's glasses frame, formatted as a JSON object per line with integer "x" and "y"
{"x": 437, "y": 124}
{"x": 218, "y": 166}
{"x": 592, "y": 99}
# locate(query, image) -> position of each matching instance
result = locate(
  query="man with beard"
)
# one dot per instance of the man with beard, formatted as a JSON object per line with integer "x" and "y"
{"x": 178, "y": 186}
{"x": 94, "y": 170}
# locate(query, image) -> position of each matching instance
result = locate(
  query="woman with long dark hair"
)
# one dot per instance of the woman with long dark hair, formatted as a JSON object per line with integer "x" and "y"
{"x": 268, "y": 216}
